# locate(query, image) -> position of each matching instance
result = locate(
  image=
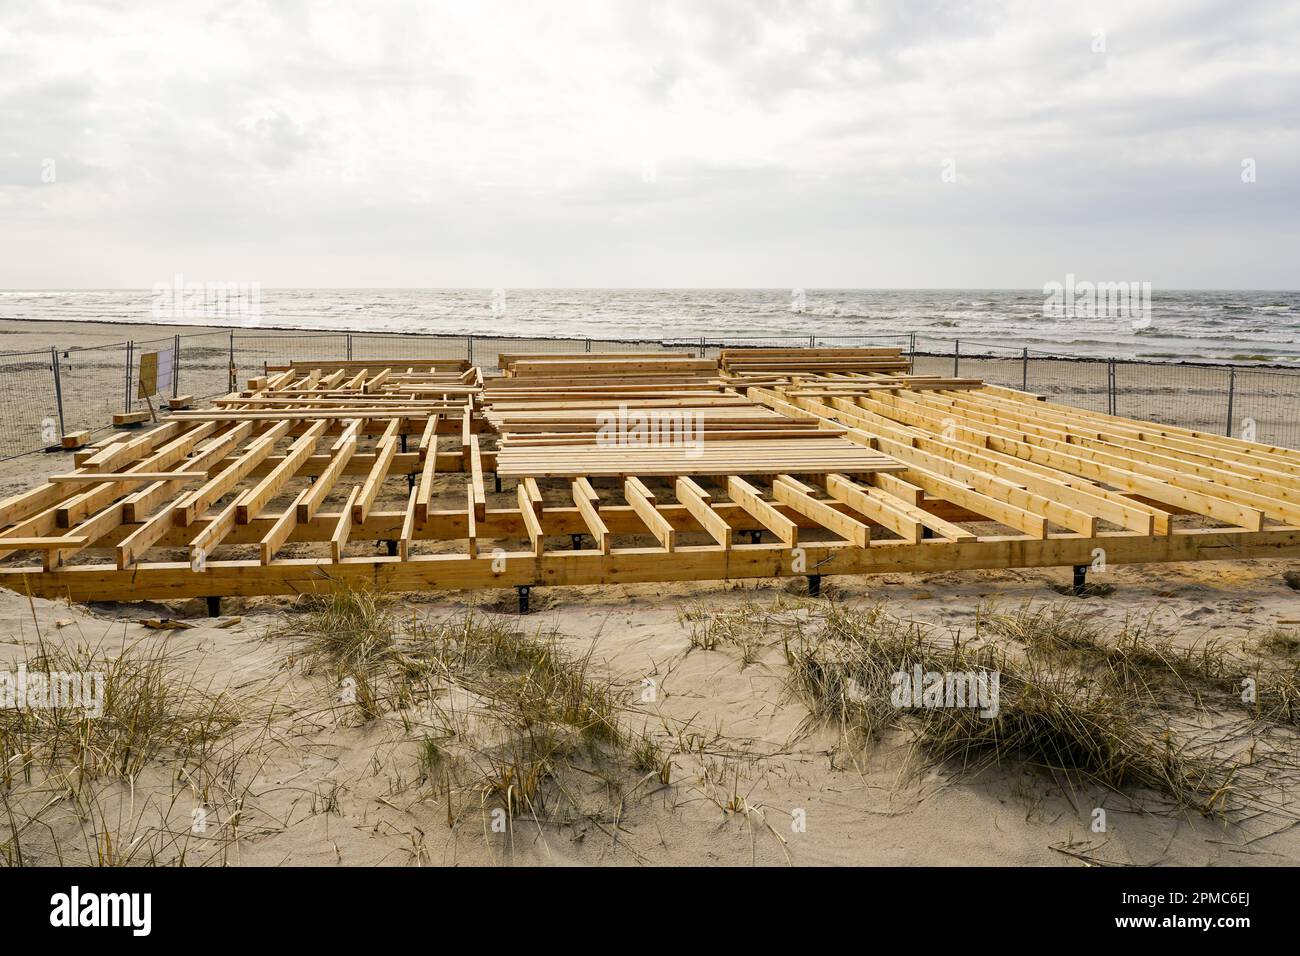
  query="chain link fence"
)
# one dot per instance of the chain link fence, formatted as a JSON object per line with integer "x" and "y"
{"x": 31, "y": 402}
{"x": 54, "y": 392}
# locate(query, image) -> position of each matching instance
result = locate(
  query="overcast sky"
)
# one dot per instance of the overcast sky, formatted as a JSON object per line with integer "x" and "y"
{"x": 644, "y": 143}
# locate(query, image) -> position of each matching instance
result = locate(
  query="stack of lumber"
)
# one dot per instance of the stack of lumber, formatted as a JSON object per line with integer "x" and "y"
{"x": 557, "y": 416}
{"x": 816, "y": 452}
{"x": 740, "y": 364}
{"x": 444, "y": 366}
{"x": 566, "y": 369}
{"x": 379, "y": 389}
{"x": 827, "y": 372}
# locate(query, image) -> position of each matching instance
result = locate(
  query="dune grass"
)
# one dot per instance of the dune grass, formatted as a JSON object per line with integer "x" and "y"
{"x": 534, "y": 713}
{"x": 1057, "y": 709}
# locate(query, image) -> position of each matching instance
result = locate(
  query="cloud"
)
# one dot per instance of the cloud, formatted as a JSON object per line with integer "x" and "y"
{"x": 664, "y": 142}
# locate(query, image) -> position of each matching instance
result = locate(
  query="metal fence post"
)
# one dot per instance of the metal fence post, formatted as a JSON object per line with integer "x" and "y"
{"x": 956, "y": 356}
{"x": 1024, "y": 371}
{"x": 588, "y": 342}
{"x": 1111, "y": 403}
{"x": 232, "y": 360}
{"x": 349, "y": 346}
{"x": 911, "y": 346}
{"x": 58, "y": 387}
{"x": 812, "y": 341}
{"x": 130, "y": 348}
{"x": 176, "y": 366}
{"x": 469, "y": 347}
{"x": 1232, "y": 389}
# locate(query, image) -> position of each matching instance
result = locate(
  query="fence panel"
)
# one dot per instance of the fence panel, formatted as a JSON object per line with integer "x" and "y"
{"x": 1083, "y": 383}
{"x": 933, "y": 356}
{"x": 1190, "y": 396}
{"x": 203, "y": 366}
{"x": 714, "y": 344}
{"x": 31, "y": 414}
{"x": 373, "y": 345}
{"x": 899, "y": 341}
{"x": 488, "y": 349}
{"x": 995, "y": 364}
{"x": 93, "y": 380}
{"x": 1266, "y": 406}
{"x": 253, "y": 352}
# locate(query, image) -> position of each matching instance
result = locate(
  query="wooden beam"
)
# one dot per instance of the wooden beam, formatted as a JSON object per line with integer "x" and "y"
{"x": 696, "y": 501}
{"x": 596, "y": 527}
{"x": 339, "y": 539}
{"x": 847, "y": 527}
{"x": 748, "y": 497}
{"x": 531, "y": 524}
{"x": 642, "y": 502}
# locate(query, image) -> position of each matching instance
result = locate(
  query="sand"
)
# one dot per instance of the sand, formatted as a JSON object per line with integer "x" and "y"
{"x": 305, "y": 781}
{"x": 319, "y": 787}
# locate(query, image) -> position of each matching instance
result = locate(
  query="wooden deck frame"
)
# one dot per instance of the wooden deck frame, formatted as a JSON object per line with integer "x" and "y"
{"x": 315, "y": 462}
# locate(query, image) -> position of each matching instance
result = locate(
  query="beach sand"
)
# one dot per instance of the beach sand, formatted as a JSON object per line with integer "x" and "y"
{"x": 305, "y": 780}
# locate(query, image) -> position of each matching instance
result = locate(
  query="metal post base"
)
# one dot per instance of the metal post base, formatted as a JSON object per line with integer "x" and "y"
{"x": 814, "y": 585}
{"x": 1080, "y": 580}
{"x": 214, "y": 607}
{"x": 523, "y": 598}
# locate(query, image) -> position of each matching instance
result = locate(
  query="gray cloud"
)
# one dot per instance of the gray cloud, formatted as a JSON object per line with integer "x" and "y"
{"x": 669, "y": 142}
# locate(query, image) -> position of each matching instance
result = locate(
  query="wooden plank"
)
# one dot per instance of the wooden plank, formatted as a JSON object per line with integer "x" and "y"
{"x": 309, "y": 503}
{"x": 173, "y": 581}
{"x": 190, "y": 506}
{"x": 471, "y": 528}
{"x": 282, "y": 529}
{"x": 531, "y": 523}
{"x": 375, "y": 480}
{"x": 429, "y": 448}
{"x": 642, "y": 502}
{"x": 596, "y": 526}
{"x": 429, "y": 437}
{"x": 128, "y": 477}
{"x": 339, "y": 539}
{"x": 121, "y": 452}
{"x": 534, "y": 494}
{"x": 748, "y": 497}
{"x": 696, "y": 501}
{"x": 69, "y": 542}
{"x": 846, "y": 526}
{"x": 252, "y": 501}
{"x": 583, "y": 487}
{"x": 408, "y": 527}
{"x": 876, "y": 507}
{"x": 207, "y": 540}
{"x": 476, "y": 479}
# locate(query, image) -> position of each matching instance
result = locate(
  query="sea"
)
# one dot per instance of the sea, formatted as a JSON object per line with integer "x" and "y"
{"x": 1205, "y": 325}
